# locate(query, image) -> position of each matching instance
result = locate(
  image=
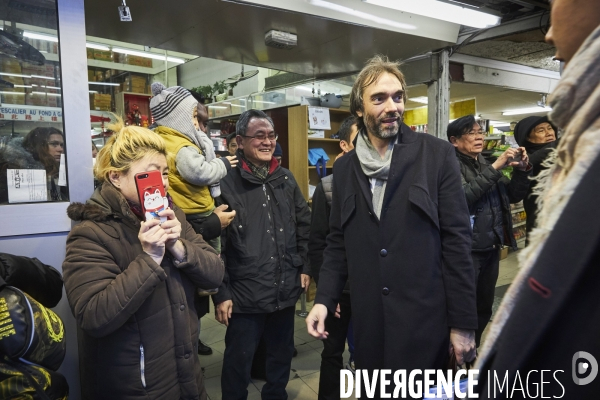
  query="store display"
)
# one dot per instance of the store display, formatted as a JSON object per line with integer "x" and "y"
{"x": 519, "y": 219}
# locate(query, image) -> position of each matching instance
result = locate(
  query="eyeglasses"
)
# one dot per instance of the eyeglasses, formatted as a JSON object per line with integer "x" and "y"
{"x": 475, "y": 132}
{"x": 56, "y": 144}
{"x": 261, "y": 137}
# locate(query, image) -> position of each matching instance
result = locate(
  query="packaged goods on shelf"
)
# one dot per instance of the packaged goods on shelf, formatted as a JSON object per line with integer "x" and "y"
{"x": 103, "y": 55}
{"x": 91, "y": 76}
{"x": 11, "y": 66}
{"x": 135, "y": 84}
{"x": 519, "y": 217}
{"x": 90, "y": 54}
{"x": 139, "y": 61}
{"x": 36, "y": 100}
{"x": 13, "y": 99}
{"x": 100, "y": 102}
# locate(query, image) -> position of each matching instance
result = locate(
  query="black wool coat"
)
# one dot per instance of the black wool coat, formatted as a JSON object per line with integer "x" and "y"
{"x": 411, "y": 275}
{"x": 557, "y": 313}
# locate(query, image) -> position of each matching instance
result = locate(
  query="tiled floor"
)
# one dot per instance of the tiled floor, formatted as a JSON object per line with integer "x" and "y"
{"x": 304, "y": 375}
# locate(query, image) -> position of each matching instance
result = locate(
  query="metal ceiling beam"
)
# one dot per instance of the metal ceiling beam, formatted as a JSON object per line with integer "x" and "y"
{"x": 508, "y": 28}
{"x": 532, "y": 3}
{"x": 504, "y": 66}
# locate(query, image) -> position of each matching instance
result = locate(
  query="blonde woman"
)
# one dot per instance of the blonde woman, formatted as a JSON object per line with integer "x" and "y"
{"x": 131, "y": 283}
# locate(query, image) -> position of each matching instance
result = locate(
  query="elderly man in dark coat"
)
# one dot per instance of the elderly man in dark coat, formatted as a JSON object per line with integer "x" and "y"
{"x": 400, "y": 231}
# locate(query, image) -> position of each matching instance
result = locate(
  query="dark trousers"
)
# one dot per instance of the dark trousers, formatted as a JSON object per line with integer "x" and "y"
{"x": 242, "y": 337}
{"x": 487, "y": 264}
{"x": 333, "y": 348}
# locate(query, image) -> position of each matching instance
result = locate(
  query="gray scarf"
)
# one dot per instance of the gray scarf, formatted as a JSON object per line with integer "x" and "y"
{"x": 374, "y": 167}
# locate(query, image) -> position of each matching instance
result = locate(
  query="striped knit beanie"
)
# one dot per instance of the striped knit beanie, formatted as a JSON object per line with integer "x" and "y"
{"x": 174, "y": 108}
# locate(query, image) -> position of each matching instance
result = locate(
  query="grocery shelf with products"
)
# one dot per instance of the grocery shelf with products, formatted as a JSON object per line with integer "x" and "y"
{"x": 519, "y": 220}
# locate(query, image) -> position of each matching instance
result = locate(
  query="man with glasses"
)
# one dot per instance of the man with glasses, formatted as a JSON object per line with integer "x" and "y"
{"x": 266, "y": 265}
{"x": 489, "y": 195}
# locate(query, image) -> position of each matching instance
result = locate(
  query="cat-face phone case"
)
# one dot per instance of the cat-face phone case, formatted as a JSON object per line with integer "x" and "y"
{"x": 151, "y": 193}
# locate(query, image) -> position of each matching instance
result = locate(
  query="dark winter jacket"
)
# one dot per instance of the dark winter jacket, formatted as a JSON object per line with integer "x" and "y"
{"x": 481, "y": 181}
{"x": 15, "y": 156}
{"x": 411, "y": 274}
{"x": 537, "y": 155}
{"x": 319, "y": 226}
{"x": 265, "y": 246}
{"x": 138, "y": 328}
{"x": 40, "y": 281}
{"x": 556, "y": 313}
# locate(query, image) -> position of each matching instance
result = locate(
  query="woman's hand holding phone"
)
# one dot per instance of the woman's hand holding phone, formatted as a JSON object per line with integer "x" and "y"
{"x": 153, "y": 238}
{"x": 173, "y": 229}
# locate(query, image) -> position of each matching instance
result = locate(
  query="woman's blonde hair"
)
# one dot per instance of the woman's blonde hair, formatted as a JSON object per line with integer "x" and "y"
{"x": 127, "y": 145}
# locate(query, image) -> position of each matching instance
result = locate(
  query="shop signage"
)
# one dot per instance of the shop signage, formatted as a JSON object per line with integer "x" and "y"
{"x": 30, "y": 113}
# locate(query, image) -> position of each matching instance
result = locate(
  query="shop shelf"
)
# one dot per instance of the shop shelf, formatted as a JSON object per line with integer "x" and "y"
{"x": 516, "y": 210}
{"x": 519, "y": 224}
{"x": 324, "y": 140}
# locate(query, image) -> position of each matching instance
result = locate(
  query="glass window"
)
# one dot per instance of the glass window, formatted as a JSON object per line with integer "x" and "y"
{"x": 32, "y": 141}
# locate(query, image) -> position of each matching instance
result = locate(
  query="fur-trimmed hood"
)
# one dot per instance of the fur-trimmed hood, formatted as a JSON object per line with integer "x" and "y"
{"x": 17, "y": 157}
{"x": 106, "y": 203}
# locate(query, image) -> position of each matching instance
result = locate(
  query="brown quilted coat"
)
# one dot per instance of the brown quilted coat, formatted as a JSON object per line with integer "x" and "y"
{"x": 137, "y": 325}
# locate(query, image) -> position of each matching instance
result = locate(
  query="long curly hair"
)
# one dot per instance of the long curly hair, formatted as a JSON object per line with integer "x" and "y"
{"x": 36, "y": 142}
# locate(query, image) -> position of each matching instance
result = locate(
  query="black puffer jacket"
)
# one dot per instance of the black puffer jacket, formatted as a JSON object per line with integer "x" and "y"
{"x": 478, "y": 178}
{"x": 265, "y": 246}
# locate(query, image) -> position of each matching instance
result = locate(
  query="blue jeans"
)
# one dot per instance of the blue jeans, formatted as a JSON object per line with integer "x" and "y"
{"x": 242, "y": 337}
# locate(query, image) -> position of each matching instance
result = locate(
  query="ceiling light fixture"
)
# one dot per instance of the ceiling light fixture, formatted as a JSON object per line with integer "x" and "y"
{"x": 40, "y": 36}
{"x": 47, "y": 94}
{"x": 154, "y": 56}
{"x": 362, "y": 14}
{"x": 12, "y": 93}
{"x": 442, "y": 11}
{"x": 97, "y": 46}
{"x": 42, "y": 77}
{"x": 498, "y": 124}
{"x": 529, "y": 110}
{"x": 104, "y": 83}
{"x": 420, "y": 99}
{"x": 17, "y": 75}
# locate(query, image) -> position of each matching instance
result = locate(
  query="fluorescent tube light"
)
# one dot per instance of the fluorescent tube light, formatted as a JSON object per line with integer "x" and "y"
{"x": 103, "y": 83}
{"x": 420, "y": 99}
{"x": 47, "y": 94}
{"x": 51, "y": 87}
{"x": 442, "y": 11}
{"x": 529, "y": 110}
{"x": 361, "y": 14}
{"x": 264, "y": 102}
{"x": 42, "y": 77}
{"x": 220, "y": 107}
{"x": 13, "y": 93}
{"x": 24, "y": 86}
{"x": 17, "y": 75}
{"x": 97, "y": 46}
{"x": 93, "y": 91}
{"x": 40, "y": 36}
{"x": 234, "y": 105}
{"x": 496, "y": 124}
{"x": 147, "y": 55}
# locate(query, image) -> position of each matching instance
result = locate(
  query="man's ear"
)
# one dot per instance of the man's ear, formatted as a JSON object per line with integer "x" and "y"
{"x": 359, "y": 113}
{"x": 344, "y": 146}
{"x": 238, "y": 140}
{"x": 453, "y": 140}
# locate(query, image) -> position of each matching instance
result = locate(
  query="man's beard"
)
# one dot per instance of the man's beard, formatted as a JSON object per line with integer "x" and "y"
{"x": 375, "y": 126}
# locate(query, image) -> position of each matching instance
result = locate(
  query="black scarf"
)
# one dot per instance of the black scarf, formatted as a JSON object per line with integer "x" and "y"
{"x": 533, "y": 147}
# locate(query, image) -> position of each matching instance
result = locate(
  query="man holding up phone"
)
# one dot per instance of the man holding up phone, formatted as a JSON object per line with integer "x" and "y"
{"x": 489, "y": 195}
